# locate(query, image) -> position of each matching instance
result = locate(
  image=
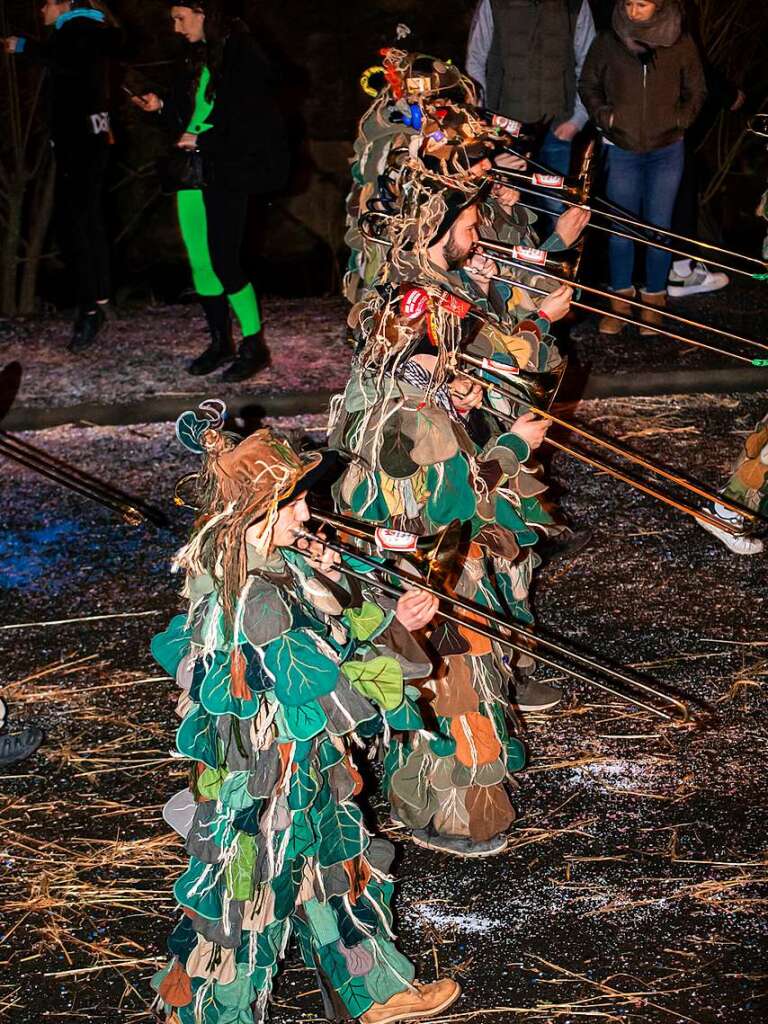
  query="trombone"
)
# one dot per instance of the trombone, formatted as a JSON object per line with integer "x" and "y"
{"x": 505, "y": 254}
{"x": 572, "y": 195}
{"x": 133, "y": 510}
{"x": 509, "y": 392}
{"x": 508, "y": 634}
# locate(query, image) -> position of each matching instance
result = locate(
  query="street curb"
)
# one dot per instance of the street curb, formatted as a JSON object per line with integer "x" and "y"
{"x": 165, "y": 408}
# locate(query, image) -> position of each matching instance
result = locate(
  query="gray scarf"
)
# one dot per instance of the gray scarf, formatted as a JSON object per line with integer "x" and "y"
{"x": 664, "y": 28}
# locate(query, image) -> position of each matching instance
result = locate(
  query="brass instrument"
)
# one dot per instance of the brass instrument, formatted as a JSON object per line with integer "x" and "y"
{"x": 571, "y": 195}
{"x": 133, "y": 510}
{"x": 506, "y": 387}
{"x": 504, "y": 254}
{"x": 509, "y": 633}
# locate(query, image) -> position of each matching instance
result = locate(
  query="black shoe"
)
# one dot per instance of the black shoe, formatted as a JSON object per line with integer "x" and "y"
{"x": 252, "y": 356}
{"x": 17, "y": 746}
{"x": 87, "y": 327}
{"x": 212, "y": 358}
{"x": 567, "y": 544}
{"x": 222, "y": 348}
{"x": 533, "y": 696}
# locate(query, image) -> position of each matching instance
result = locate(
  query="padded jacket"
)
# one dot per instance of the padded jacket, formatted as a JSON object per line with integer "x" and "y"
{"x": 642, "y": 106}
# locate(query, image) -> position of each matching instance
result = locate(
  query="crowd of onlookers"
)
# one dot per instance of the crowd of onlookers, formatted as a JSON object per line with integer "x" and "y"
{"x": 647, "y": 89}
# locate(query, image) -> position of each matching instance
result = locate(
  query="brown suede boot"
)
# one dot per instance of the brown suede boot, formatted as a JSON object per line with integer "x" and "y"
{"x": 423, "y": 1001}
{"x": 650, "y": 316}
{"x": 609, "y": 324}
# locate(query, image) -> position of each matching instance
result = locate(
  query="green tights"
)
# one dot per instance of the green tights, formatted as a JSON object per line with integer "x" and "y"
{"x": 194, "y": 231}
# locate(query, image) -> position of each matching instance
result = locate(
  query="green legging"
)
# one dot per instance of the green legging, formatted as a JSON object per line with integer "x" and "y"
{"x": 211, "y": 226}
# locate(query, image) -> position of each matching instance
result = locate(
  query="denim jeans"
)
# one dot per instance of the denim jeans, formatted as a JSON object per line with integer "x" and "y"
{"x": 646, "y": 184}
{"x": 554, "y": 153}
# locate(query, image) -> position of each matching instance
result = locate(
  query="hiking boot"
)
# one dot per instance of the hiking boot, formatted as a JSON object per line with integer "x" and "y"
{"x": 416, "y": 1003}
{"x": 650, "y": 316}
{"x": 252, "y": 356}
{"x": 221, "y": 348}
{"x": 535, "y": 696}
{"x": 689, "y": 277}
{"x": 739, "y": 543}
{"x": 88, "y": 326}
{"x": 459, "y": 846}
{"x": 18, "y": 746}
{"x": 609, "y": 324}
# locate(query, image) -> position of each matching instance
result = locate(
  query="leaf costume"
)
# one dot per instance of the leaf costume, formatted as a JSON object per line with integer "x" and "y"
{"x": 275, "y": 695}
{"x": 419, "y": 467}
{"x": 749, "y": 481}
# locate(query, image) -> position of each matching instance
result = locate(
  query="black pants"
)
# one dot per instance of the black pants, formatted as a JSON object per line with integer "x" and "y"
{"x": 79, "y": 215}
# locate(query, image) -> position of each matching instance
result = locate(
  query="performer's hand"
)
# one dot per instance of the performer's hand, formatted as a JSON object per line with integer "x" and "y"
{"x": 571, "y": 224}
{"x": 557, "y": 303}
{"x": 10, "y": 43}
{"x": 416, "y": 609}
{"x": 532, "y": 429}
{"x": 738, "y": 103}
{"x": 481, "y": 269}
{"x": 187, "y": 141}
{"x": 505, "y": 196}
{"x": 466, "y": 394}
{"x": 320, "y": 557}
{"x": 510, "y": 161}
{"x": 150, "y": 102}
{"x": 566, "y": 132}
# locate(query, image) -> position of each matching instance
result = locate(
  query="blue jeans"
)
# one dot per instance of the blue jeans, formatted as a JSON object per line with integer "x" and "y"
{"x": 556, "y": 154}
{"x": 646, "y": 184}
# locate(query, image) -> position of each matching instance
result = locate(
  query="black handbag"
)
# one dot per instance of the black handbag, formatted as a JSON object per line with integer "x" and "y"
{"x": 181, "y": 169}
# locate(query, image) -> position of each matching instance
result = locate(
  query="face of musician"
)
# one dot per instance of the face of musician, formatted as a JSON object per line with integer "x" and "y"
{"x": 290, "y": 518}
{"x": 51, "y": 11}
{"x": 188, "y": 22}
{"x": 457, "y": 243}
{"x": 640, "y": 10}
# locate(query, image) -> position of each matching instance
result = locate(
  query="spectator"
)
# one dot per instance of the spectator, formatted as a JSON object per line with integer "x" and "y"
{"x": 643, "y": 85}
{"x": 692, "y": 277}
{"x": 222, "y": 106}
{"x": 527, "y": 56}
{"x": 75, "y": 57}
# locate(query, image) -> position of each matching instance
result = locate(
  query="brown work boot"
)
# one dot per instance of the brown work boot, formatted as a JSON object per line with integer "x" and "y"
{"x": 414, "y": 1004}
{"x": 609, "y": 324}
{"x": 650, "y": 316}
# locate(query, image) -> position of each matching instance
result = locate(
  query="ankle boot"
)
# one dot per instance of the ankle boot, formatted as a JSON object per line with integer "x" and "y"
{"x": 221, "y": 347}
{"x": 252, "y": 356}
{"x": 609, "y": 324}
{"x": 87, "y": 326}
{"x": 650, "y": 316}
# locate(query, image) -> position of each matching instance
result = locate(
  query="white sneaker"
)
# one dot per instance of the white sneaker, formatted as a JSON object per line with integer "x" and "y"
{"x": 690, "y": 278}
{"x": 738, "y": 543}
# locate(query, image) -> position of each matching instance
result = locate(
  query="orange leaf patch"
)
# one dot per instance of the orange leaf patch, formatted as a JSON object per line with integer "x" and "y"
{"x": 176, "y": 987}
{"x": 476, "y": 740}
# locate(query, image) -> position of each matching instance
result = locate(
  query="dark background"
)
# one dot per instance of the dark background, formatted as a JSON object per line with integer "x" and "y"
{"x": 295, "y": 245}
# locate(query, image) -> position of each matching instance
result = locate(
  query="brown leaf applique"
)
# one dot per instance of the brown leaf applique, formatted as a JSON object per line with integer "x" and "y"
{"x": 452, "y": 819}
{"x": 490, "y": 811}
{"x": 359, "y": 875}
{"x": 453, "y": 688}
{"x": 238, "y": 686}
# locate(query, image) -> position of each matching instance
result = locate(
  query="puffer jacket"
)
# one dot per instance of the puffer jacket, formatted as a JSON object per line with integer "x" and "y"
{"x": 642, "y": 106}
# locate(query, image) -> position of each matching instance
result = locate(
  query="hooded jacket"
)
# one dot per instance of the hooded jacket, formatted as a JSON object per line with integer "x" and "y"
{"x": 642, "y": 104}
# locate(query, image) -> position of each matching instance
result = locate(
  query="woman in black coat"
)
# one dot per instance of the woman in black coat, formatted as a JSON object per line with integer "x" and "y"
{"x": 223, "y": 114}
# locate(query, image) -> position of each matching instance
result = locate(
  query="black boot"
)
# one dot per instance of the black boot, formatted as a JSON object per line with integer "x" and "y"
{"x": 87, "y": 326}
{"x": 221, "y": 348}
{"x": 252, "y": 356}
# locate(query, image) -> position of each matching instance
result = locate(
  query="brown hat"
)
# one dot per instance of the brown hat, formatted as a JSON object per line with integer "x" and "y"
{"x": 261, "y": 470}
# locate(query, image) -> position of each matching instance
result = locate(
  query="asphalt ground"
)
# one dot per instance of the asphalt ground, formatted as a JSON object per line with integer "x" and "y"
{"x": 635, "y": 885}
